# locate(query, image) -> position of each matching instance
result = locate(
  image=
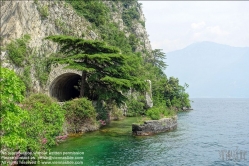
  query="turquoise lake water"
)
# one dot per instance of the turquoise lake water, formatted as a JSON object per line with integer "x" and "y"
{"x": 215, "y": 133}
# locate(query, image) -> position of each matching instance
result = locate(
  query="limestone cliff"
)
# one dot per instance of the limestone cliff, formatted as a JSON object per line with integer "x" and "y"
{"x": 43, "y": 18}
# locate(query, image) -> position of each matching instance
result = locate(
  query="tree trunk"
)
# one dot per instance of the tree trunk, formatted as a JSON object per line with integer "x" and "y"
{"x": 83, "y": 83}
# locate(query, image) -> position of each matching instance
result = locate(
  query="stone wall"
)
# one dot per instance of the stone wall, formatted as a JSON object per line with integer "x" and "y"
{"x": 155, "y": 126}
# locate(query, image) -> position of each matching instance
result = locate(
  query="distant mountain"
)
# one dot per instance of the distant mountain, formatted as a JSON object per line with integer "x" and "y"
{"x": 211, "y": 70}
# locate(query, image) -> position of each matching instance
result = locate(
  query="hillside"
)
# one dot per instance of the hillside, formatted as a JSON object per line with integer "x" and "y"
{"x": 69, "y": 67}
{"x": 121, "y": 24}
{"x": 211, "y": 70}
{"x": 25, "y": 26}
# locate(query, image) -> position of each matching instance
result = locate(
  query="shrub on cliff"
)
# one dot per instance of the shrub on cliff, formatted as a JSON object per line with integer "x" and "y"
{"x": 18, "y": 50}
{"x": 158, "y": 112}
{"x": 78, "y": 112}
{"x": 11, "y": 116}
{"x": 44, "y": 122}
{"x": 136, "y": 106}
{"x": 154, "y": 113}
{"x": 34, "y": 122}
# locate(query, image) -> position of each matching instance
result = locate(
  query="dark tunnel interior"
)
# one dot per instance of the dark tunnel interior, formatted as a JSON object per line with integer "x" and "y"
{"x": 63, "y": 87}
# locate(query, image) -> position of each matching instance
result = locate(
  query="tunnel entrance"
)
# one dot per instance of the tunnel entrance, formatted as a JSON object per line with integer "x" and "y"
{"x": 63, "y": 87}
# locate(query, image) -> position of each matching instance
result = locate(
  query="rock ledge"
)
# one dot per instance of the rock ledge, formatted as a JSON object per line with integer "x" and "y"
{"x": 151, "y": 127}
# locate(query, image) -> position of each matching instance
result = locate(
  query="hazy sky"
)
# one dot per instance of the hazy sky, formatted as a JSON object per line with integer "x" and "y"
{"x": 173, "y": 25}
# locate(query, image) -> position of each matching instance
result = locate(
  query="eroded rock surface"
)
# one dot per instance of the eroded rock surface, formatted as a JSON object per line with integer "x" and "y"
{"x": 155, "y": 126}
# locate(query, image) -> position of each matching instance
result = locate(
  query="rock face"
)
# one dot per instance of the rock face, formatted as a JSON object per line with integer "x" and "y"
{"x": 25, "y": 17}
{"x": 155, "y": 126}
{"x": 40, "y": 19}
{"x": 148, "y": 96}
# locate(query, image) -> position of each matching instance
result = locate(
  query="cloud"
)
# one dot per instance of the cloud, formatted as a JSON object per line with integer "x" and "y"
{"x": 210, "y": 33}
{"x": 183, "y": 23}
{"x": 197, "y": 35}
{"x": 198, "y": 25}
{"x": 217, "y": 31}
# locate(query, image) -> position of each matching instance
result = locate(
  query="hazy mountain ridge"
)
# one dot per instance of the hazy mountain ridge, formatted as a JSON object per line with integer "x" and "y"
{"x": 211, "y": 69}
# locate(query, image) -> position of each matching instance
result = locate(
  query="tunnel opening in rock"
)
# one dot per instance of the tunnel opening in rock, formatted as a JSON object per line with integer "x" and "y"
{"x": 63, "y": 88}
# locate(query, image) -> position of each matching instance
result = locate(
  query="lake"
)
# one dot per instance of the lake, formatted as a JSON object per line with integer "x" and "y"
{"x": 215, "y": 133}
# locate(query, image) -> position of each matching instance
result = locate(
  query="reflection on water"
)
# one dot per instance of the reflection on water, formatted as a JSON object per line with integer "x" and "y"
{"x": 205, "y": 136}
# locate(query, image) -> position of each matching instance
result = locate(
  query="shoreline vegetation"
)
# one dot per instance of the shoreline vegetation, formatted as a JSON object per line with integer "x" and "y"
{"x": 113, "y": 83}
{"x": 38, "y": 122}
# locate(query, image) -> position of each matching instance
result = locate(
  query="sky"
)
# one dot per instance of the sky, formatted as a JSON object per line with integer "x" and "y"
{"x": 173, "y": 25}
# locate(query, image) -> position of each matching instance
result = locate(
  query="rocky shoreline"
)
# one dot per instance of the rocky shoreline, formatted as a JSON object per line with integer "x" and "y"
{"x": 151, "y": 127}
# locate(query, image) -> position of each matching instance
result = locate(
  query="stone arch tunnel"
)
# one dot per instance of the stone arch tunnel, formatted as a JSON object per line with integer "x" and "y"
{"x": 63, "y": 87}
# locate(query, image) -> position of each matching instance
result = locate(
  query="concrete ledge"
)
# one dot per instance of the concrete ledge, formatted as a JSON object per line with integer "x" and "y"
{"x": 155, "y": 126}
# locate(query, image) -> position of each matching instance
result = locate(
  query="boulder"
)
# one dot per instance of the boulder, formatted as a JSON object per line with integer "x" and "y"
{"x": 155, "y": 126}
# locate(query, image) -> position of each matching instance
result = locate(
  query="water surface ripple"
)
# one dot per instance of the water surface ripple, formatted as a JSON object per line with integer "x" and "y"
{"x": 204, "y": 137}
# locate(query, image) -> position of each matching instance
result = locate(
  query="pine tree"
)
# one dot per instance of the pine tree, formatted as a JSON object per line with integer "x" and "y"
{"x": 106, "y": 73}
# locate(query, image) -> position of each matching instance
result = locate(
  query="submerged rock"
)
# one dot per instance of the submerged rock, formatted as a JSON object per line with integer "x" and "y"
{"x": 155, "y": 126}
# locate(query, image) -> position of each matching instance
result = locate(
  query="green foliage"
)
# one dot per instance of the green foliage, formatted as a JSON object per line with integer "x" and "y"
{"x": 94, "y": 11}
{"x": 168, "y": 103}
{"x": 78, "y": 112}
{"x": 36, "y": 2}
{"x": 72, "y": 46}
{"x": 133, "y": 41}
{"x": 98, "y": 14}
{"x": 105, "y": 72}
{"x": 61, "y": 25}
{"x": 176, "y": 94}
{"x": 136, "y": 106}
{"x": 44, "y": 122}
{"x": 23, "y": 56}
{"x": 128, "y": 3}
{"x": 113, "y": 36}
{"x": 18, "y": 50}
{"x": 12, "y": 89}
{"x": 129, "y": 15}
{"x": 154, "y": 113}
{"x": 35, "y": 122}
{"x": 164, "y": 90}
{"x": 160, "y": 111}
{"x": 12, "y": 116}
{"x": 102, "y": 111}
{"x": 156, "y": 58}
{"x": 42, "y": 66}
{"x": 142, "y": 23}
{"x": 114, "y": 111}
{"x": 26, "y": 78}
{"x": 43, "y": 10}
